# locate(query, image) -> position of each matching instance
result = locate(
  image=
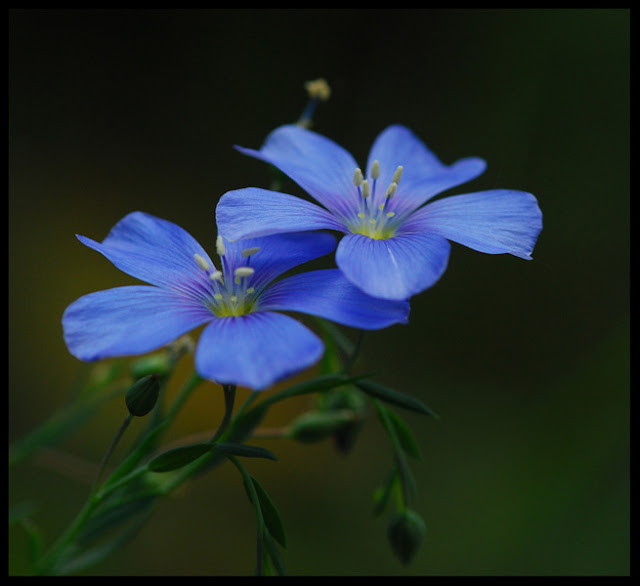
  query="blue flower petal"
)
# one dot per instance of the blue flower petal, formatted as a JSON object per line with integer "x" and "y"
{"x": 255, "y": 350}
{"x": 278, "y": 254}
{"x": 251, "y": 212}
{"x": 495, "y": 222}
{"x": 328, "y": 294}
{"x": 423, "y": 175}
{"x": 128, "y": 320}
{"x": 320, "y": 166}
{"x": 396, "y": 268}
{"x": 156, "y": 251}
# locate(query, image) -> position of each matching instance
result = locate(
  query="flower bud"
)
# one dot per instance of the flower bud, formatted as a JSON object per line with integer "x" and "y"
{"x": 352, "y": 400}
{"x": 142, "y": 395}
{"x": 158, "y": 363}
{"x": 405, "y": 533}
{"x": 315, "y": 426}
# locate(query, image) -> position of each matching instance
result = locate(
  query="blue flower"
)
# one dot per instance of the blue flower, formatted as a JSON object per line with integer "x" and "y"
{"x": 247, "y": 341}
{"x": 395, "y": 246}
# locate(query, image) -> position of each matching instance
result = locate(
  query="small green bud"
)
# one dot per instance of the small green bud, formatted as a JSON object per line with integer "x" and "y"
{"x": 351, "y": 399}
{"x": 142, "y": 395}
{"x": 405, "y": 533}
{"x": 158, "y": 363}
{"x": 315, "y": 426}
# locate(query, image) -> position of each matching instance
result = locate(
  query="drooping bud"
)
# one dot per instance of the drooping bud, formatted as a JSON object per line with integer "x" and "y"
{"x": 314, "y": 426}
{"x": 142, "y": 395}
{"x": 406, "y": 532}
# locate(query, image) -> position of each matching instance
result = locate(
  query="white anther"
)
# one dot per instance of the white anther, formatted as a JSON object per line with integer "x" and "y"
{"x": 250, "y": 251}
{"x": 375, "y": 169}
{"x": 397, "y": 175}
{"x": 357, "y": 177}
{"x": 216, "y": 276}
{"x": 361, "y": 215}
{"x": 390, "y": 214}
{"x": 366, "y": 191}
{"x": 233, "y": 299}
{"x": 202, "y": 263}
{"x": 250, "y": 290}
{"x": 218, "y": 296}
{"x": 391, "y": 189}
{"x": 220, "y": 246}
{"x": 243, "y": 272}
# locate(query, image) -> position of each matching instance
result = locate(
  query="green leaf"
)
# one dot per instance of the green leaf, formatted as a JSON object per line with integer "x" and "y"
{"x": 389, "y": 395}
{"x": 404, "y": 434}
{"x": 243, "y": 450}
{"x": 271, "y": 516}
{"x": 178, "y": 457}
{"x": 274, "y": 554}
{"x": 382, "y": 494}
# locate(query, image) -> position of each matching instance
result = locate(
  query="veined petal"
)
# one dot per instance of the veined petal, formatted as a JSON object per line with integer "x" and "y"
{"x": 156, "y": 251}
{"x": 128, "y": 320}
{"x": 328, "y": 294}
{"x": 255, "y": 350}
{"x": 495, "y": 222}
{"x": 251, "y": 212}
{"x": 278, "y": 253}
{"x": 320, "y": 166}
{"x": 395, "y": 268}
{"x": 423, "y": 175}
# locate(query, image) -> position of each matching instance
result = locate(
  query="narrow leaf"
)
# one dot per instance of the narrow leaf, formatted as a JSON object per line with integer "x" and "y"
{"x": 404, "y": 434}
{"x": 243, "y": 450}
{"x": 274, "y": 554}
{"x": 178, "y": 457}
{"x": 389, "y": 395}
{"x": 271, "y": 516}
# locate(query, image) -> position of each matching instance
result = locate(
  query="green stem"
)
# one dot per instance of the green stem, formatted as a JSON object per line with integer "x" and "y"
{"x": 119, "y": 478}
{"x": 253, "y": 497}
{"x": 229, "y": 398}
{"x": 111, "y": 448}
{"x": 354, "y": 355}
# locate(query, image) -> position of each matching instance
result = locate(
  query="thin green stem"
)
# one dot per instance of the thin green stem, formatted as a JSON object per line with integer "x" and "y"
{"x": 253, "y": 497}
{"x": 229, "y": 399}
{"x": 354, "y": 355}
{"x": 110, "y": 449}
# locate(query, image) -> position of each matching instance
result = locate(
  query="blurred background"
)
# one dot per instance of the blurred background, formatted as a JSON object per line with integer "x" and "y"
{"x": 527, "y": 363}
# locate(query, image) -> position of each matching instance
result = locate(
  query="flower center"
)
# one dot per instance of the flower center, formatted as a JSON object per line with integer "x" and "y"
{"x": 232, "y": 294}
{"x": 375, "y": 218}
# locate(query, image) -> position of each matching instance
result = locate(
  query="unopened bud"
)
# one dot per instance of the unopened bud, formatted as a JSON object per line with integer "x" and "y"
{"x": 142, "y": 395}
{"x": 315, "y": 426}
{"x": 406, "y": 532}
{"x": 158, "y": 363}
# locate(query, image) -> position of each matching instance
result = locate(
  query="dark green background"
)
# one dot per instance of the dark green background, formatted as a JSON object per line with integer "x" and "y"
{"x": 527, "y": 471}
